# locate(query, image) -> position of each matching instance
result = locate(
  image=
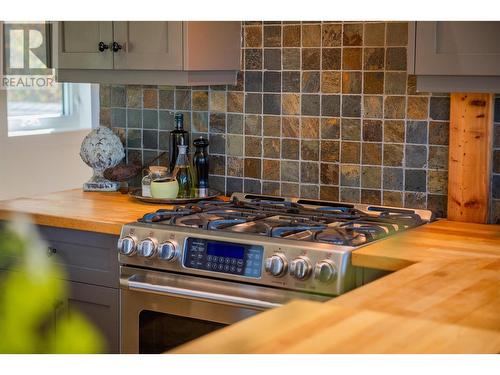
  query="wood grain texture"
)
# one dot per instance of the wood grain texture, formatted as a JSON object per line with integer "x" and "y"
{"x": 440, "y": 240}
{"x": 470, "y": 150}
{"x": 461, "y": 292}
{"x": 305, "y": 327}
{"x": 445, "y": 300}
{"x": 75, "y": 209}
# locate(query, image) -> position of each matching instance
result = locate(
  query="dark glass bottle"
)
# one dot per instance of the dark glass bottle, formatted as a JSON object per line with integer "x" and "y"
{"x": 200, "y": 162}
{"x": 178, "y": 136}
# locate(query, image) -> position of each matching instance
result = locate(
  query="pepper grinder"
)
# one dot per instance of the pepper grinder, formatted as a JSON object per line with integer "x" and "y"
{"x": 200, "y": 162}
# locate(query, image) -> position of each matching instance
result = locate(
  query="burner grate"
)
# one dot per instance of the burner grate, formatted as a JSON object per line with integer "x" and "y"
{"x": 335, "y": 223}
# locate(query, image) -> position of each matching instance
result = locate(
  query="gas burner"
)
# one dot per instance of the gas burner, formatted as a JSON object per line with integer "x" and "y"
{"x": 207, "y": 205}
{"x": 280, "y": 226}
{"x": 341, "y": 236}
{"x": 162, "y": 215}
{"x": 354, "y": 233}
{"x": 165, "y": 216}
{"x": 269, "y": 205}
{"x": 293, "y": 232}
{"x": 215, "y": 219}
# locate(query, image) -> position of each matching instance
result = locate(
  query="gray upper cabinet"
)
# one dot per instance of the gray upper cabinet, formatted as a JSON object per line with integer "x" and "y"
{"x": 148, "y": 45}
{"x": 455, "y": 56}
{"x": 78, "y": 45}
{"x": 148, "y": 52}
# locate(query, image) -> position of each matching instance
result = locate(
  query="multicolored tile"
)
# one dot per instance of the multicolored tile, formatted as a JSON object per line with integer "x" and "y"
{"x": 272, "y": 36}
{"x": 271, "y": 169}
{"x": 309, "y": 127}
{"x": 352, "y": 58}
{"x": 353, "y": 34}
{"x": 309, "y": 149}
{"x": 330, "y": 82}
{"x": 291, "y": 36}
{"x": 397, "y": 33}
{"x": 319, "y": 110}
{"x": 329, "y": 174}
{"x": 331, "y": 34}
{"x": 311, "y": 35}
{"x": 271, "y": 126}
{"x": 374, "y": 34}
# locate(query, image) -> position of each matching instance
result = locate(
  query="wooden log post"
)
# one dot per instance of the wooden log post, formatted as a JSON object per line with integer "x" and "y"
{"x": 470, "y": 153}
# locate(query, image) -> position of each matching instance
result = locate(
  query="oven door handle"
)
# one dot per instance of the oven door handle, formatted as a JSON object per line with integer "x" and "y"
{"x": 133, "y": 284}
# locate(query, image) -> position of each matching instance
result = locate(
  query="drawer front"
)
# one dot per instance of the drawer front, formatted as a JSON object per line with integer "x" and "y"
{"x": 87, "y": 257}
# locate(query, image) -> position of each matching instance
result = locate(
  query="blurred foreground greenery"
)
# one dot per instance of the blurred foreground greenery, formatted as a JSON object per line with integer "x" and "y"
{"x": 29, "y": 295}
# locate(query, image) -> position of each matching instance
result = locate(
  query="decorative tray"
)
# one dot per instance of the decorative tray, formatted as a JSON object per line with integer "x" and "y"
{"x": 137, "y": 194}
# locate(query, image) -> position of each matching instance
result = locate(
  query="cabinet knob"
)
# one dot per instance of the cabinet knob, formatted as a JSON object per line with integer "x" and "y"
{"x": 103, "y": 46}
{"x": 116, "y": 47}
{"x": 51, "y": 251}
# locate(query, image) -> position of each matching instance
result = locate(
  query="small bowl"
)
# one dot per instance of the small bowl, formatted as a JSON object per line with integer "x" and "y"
{"x": 164, "y": 188}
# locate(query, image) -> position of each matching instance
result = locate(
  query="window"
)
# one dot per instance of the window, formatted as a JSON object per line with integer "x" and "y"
{"x": 47, "y": 108}
{"x": 65, "y": 107}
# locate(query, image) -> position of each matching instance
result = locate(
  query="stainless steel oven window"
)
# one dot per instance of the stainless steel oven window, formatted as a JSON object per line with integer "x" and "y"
{"x": 159, "y": 332}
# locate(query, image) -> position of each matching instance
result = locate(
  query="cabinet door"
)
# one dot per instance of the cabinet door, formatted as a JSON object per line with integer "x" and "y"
{"x": 87, "y": 257}
{"x": 78, "y": 45}
{"x": 101, "y": 307}
{"x": 148, "y": 45}
{"x": 457, "y": 48}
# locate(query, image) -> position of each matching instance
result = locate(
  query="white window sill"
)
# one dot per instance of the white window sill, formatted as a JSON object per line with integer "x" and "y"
{"x": 29, "y": 133}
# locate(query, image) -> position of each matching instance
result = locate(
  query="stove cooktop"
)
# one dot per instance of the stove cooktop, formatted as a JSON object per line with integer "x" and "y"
{"x": 289, "y": 243}
{"x": 302, "y": 220}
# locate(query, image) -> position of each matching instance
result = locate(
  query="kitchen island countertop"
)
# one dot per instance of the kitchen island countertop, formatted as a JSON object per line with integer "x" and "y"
{"x": 444, "y": 296}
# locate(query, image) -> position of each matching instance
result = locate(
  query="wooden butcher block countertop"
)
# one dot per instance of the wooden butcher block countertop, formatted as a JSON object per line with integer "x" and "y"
{"x": 76, "y": 209}
{"x": 443, "y": 298}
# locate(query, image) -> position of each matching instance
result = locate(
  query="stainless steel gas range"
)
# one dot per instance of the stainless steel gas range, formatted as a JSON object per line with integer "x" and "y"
{"x": 193, "y": 269}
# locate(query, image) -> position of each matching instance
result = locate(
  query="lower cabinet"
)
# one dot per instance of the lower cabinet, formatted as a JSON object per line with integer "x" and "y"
{"x": 90, "y": 264}
{"x": 91, "y": 273}
{"x": 90, "y": 261}
{"x": 101, "y": 306}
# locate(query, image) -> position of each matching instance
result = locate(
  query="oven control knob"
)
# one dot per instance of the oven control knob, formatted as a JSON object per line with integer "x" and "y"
{"x": 167, "y": 251}
{"x": 127, "y": 245}
{"x": 325, "y": 271}
{"x": 300, "y": 268}
{"x": 276, "y": 265}
{"x": 147, "y": 247}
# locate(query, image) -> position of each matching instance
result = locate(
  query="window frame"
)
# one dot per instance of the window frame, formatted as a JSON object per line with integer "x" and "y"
{"x": 79, "y": 114}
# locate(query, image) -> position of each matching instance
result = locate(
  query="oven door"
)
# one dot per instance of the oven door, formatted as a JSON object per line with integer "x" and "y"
{"x": 161, "y": 310}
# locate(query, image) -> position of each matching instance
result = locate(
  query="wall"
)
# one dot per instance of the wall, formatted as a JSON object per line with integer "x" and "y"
{"x": 41, "y": 164}
{"x": 321, "y": 110}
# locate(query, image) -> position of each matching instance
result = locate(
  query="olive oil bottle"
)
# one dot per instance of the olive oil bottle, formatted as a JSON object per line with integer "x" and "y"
{"x": 183, "y": 172}
{"x": 178, "y": 137}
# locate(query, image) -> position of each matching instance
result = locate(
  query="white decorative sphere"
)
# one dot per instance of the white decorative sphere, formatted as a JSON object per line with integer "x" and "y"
{"x": 102, "y": 149}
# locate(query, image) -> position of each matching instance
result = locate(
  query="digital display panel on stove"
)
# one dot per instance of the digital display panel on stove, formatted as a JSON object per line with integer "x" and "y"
{"x": 224, "y": 257}
{"x": 222, "y": 249}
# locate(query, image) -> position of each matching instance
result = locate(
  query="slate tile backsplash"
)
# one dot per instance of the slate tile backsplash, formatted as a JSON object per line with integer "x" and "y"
{"x": 320, "y": 110}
